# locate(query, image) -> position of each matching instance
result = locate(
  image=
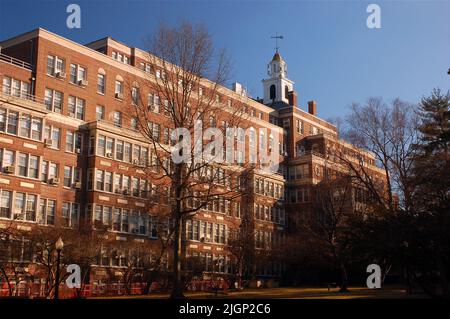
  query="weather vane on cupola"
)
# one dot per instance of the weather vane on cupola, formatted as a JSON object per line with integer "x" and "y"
{"x": 276, "y": 37}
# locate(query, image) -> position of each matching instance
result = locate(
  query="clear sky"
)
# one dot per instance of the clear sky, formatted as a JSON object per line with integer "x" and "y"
{"x": 332, "y": 56}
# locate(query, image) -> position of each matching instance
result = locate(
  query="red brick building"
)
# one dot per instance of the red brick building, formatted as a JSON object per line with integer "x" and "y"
{"x": 68, "y": 152}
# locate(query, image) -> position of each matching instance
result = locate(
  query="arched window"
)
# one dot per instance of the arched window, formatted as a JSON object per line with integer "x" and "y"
{"x": 286, "y": 91}
{"x": 272, "y": 92}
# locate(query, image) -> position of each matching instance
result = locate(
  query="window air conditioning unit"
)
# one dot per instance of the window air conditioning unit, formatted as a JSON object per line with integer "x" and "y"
{"x": 83, "y": 82}
{"x": 77, "y": 185}
{"x": 9, "y": 169}
{"x": 71, "y": 114}
{"x": 125, "y": 191}
{"x": 109, "y": 155}
{"x": 78, "y": 150}
{"x": 119, "y": 96}
{"x": 53, "y": 181}
{"x": 135, "y": 162}
{"x": 61, "y": 74}
{"x": 48, "y": 142}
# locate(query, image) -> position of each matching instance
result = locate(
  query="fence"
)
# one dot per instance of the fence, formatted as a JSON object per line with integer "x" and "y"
{"x": 38, "y": 290}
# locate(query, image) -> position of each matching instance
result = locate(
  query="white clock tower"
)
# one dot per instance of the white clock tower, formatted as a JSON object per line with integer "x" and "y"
{"x": 277, "y": 86}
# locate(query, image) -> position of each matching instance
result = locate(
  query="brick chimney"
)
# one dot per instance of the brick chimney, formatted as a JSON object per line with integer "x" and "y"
{"x": 312, "y": 108}
{"x": 292, "y": 97}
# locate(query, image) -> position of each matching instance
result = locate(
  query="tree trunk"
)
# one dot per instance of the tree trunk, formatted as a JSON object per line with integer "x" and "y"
{"x": 177, "y": 287}
{"x": 344, "y": 278}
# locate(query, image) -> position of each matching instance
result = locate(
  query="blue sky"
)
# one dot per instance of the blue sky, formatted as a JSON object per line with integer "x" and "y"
{"x": 332, "y": 56}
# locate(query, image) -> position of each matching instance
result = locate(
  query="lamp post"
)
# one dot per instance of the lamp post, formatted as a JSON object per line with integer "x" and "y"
{"x": 59, "y": 245}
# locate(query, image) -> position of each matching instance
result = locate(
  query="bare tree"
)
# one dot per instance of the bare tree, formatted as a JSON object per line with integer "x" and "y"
{"x": 388, "y": 132}
{"x": 328, "y": 224}
{"x": 186, "y": 81}
{"x": 15, "y": 256}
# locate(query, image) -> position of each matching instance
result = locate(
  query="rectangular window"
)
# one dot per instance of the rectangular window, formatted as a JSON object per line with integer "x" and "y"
{"x": 25, "y": 125}
{"x": 2, "y": 119}
{"x": 53, "y": 134}
{"x": 117, "y": 119}
{"x": 50, "y": 212}
{"x": 118, "y": 87}
{"x": 99, "y": 180}
{"x": 67, "y": 176}
{"x": 33, "y": 166}
{"x": 99, "y": 112}
{"x": 30, "y": 207}
{"x": 101, "y": 145}
{"x": 5, "y": 204}
{"x": 77, "y": 74}
{"x": 52, "y": 170}
{"x": 13, "y": 118}
{"x": 65, "y": 215}
{"x": 116, "y": 220}
{"x": 119, "y": 150}
{"x": 53, "y": 100}
{"x": 36, "y": 129}
{"x": 101, "y": 83}
{"x": 108, "y": 182}
{"x": 23, "y": 164}
{"x": 135, "y": 95}
{"x": 55, "y": 64}
{"x": 76, "y": 107}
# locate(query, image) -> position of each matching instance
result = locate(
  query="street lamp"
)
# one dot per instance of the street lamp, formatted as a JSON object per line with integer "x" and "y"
{"x": 59, "y": 245}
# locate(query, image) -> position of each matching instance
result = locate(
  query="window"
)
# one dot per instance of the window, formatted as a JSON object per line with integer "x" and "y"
{"x": 73, "y": 142}
{"x": 76, "y": 107}
{"x": 70, "y": 214}
{"x": 53, "y": 100}
{"x": 53, "y": 134}
{"x": 67, "y": 176}
{"x": 135, "y": 95}
{"x": 272, "y": 94}
{"x": 13, "y": 118}
{"x": 52, "y": 170}
{"x": 36, "y": 129}
{"x": 101, "y": 145}
{"x": 101, "y": 83}
{"x": 33, "y": 166}
{"x": 108, "y": 182}
{"x": 117, "y": 118}
{"x": 78, "y": 74}
{"x": 118, "y": 87}
{"x": 299, "y": 126}
{"x": 55, "y": 64}
{"x": 134, "y": 123}
{"x": 28, "y": 165}
{"x": 99, "y": 180}
{"x": 5, "y": 204}
{"x": 25, "y": 125}
{"x": 30, "y": 207}
{"x": 99, "y": 112}
{"x": 119, "y": 150}
{"x": 153, "y": 103}
{"x": 46, "y": 213}
{"x": 16, "y": 88}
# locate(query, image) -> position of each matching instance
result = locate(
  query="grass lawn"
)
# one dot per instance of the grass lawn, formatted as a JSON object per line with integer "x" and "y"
{"x": 295, "y": 293}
